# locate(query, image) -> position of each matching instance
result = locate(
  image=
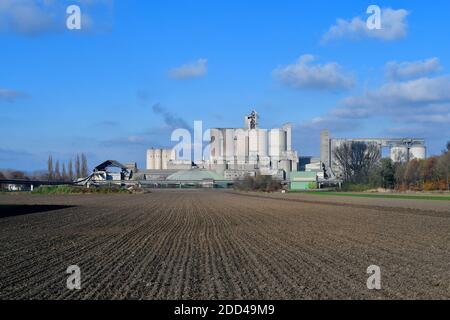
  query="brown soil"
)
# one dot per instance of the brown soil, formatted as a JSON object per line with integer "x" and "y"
{"x": 220, "y": 245}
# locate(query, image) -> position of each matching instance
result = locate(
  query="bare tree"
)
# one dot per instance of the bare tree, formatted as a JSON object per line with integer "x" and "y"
{"x": 387, "y": 173}
{"x": 342, "y": 156}
{"x": 57, "y": 172}
{"x": 444, "y": 168}
{"x": 356, "y": 159}
{"x": 84, "y": 166}
{"x": 2, "y": 177}
{"x": 412, "y": 174}
{"x": 50, "y": 168}
{"x": 78, "y": 167}
{"x": 70, "y": 170}
{"x": 64, "y": 173}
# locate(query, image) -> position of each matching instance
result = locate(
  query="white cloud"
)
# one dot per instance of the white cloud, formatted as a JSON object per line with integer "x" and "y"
{"x": 418, "y": 108}
{"x": 393, "y": 27}
{"x": 443, "y": 118}
{"x": 305, "y": 75}
{"x": 196, "y": 69}
{"x": 128, "y": 141}
{"x": 25, "y": 16}
{"x": 34, "y": 17}
{"x": 136, "y": 139}
{"x": 10, "y": 95}
{"x": 408, "y": 94}
{"x": 410, "y": 70}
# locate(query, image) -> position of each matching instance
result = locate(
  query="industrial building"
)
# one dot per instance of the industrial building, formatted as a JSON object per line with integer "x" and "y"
{"x": 196, "y": 178}
{"x": 239, "y": 152}
{"x": 236, "y": 153}
{"x": 110, "y": 171}
{"x": 303, "y": 180}
{"x": 400, "y": 149}
{"x": 165, "y": 159}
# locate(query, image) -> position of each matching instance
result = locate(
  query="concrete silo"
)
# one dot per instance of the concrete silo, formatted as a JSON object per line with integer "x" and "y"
{"x": 254, "y": 150}
{"x": 228, "y": 144}
{"x": 241, "y": 143}
{"x": 262, "y": 142}
{"x": 150, "y": 159}
{"x": 288, "y": 136}
{"x": 165, "y": 158}
{"x": 418, "y": 152}
{"x": 158, "y": 159}
{"x": 399, "y": 154}
{"x": 214, "y": 147}
{"x": 277, "y": 142}
{"x": 253, "y": 145}
{"x": 325, "y": 148}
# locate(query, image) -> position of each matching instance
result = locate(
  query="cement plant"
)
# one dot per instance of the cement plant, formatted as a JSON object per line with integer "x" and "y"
{"x": 250, "y": 151}
{"x": 223, "y": 159}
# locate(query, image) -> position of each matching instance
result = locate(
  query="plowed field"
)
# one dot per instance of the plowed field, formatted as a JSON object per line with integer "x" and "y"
{"x": 221, "y": 245}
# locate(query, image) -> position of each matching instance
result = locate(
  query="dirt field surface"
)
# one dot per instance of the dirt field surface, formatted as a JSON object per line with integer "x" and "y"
{"x": 419, "y": 206}
{"x": 221, "y": 245}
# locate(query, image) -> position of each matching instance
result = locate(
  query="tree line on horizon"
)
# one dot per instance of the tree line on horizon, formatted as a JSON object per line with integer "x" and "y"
{"x": 362, "y": 168}
{"x": 59, "y": 171}
{"x": 56, "y": 171}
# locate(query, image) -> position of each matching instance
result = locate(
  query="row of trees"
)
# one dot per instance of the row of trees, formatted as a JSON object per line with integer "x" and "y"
{"x": 430, "y": 174}
{"x": 361, "y": 164}
{"x": 56, "y": 171}
{"x": 62, "y": 172}
{"x": 13, "y": 174}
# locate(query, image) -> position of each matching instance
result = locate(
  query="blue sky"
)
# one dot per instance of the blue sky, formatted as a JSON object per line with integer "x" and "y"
{"x": 139, "y": 69}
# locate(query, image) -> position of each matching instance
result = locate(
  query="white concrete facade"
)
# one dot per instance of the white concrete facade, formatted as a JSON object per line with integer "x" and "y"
{"x": 159, "y": 159}
{"x": 252, "y": 149}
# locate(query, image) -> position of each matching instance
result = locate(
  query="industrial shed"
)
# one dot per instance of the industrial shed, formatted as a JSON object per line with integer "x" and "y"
{"x": 196, "y": 178}
{"x": 111, "y": 170}
{"x": 302, "y": 180}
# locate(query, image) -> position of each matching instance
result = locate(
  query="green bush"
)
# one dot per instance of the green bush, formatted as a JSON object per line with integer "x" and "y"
{"x": 260, "y": 183}
{"x": 312, "y": 185}
{"x": 62, "y": 189}
{"x": 66, "y": 189}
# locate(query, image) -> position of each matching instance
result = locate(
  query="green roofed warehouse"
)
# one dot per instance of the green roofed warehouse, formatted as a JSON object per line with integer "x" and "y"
{"x": 197, "y": 178}
{"x": 301, "y": 180}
